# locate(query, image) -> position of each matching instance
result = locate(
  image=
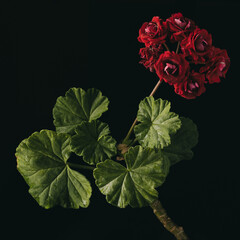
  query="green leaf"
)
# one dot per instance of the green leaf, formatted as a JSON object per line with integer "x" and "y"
{"x": 157, "y": 123}
{"x": 78, "y": 106}
{"x": 93, "y": 142}
{"x": 135, "y": 184}
{"x": 42, "y": 161}
{"x": 182, "y": 142}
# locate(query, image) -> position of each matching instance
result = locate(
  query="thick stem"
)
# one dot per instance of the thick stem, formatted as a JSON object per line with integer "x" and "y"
{"x": 135, "y": 121}
{"x": 167, "y": 222}
{"x": 78, "y": 166}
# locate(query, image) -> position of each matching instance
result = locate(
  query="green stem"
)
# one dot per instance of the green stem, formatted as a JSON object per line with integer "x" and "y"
{"x": 130, "y": 131}
{"x": 135, "y": 121}
{"x": 133, "y": 142}
{"x": 78, "y": 166}
{"x": 167, "y": 222}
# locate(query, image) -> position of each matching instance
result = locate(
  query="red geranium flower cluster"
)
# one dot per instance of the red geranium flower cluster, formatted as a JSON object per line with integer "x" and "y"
{"x": 198, "y": 63}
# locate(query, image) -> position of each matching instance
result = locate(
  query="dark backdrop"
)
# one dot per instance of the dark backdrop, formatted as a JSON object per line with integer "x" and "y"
{"x": 48, "y": 47}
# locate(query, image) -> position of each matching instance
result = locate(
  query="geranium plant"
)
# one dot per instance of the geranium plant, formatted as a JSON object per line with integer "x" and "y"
{"x": 127, "y": 172}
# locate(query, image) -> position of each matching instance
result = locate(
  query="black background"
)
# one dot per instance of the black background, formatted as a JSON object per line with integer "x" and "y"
{"x": 48, "y": 47}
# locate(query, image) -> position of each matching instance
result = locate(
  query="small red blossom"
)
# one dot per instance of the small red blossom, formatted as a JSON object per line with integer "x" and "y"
{"x": 217, "y": 66}
{"x": 150, "y": 55}
{"x": 171, "y": 67}
{"x": 154, "y": 32}
{"x": 197, "y": 45}
{"x": 179, "y": 26}
{"x": 192, "y": 86}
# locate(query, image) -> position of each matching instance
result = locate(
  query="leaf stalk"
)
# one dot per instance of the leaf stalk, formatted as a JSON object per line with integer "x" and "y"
{"x": 78, "y": 166}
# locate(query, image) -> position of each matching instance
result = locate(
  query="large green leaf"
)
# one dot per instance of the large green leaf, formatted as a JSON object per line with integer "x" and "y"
{"x": 78, "y": 106}
{"x": 182, "y": 142}
{"x": 157, "y": 123}
{"x": 92, "y": 141}
{"x": 135, "y": 184}
{"x": 42, "y": 161}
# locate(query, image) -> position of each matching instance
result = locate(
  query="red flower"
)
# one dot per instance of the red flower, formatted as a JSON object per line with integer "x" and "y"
{"x": 192, "y": 86}
{"x": 171, "y": 67}
{"x": 197, "y": 45}
{"x": 153, "y": 32}
{"x": 150, "y": 55}
{"x": 179, "y": 26}
{"x": 217, "y": 66}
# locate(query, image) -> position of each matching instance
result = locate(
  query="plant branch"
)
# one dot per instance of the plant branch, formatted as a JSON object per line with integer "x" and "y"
{"x": 167, "y": 222}
{"x": 78, "y": 166}
{"x": 135, "y": 121}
